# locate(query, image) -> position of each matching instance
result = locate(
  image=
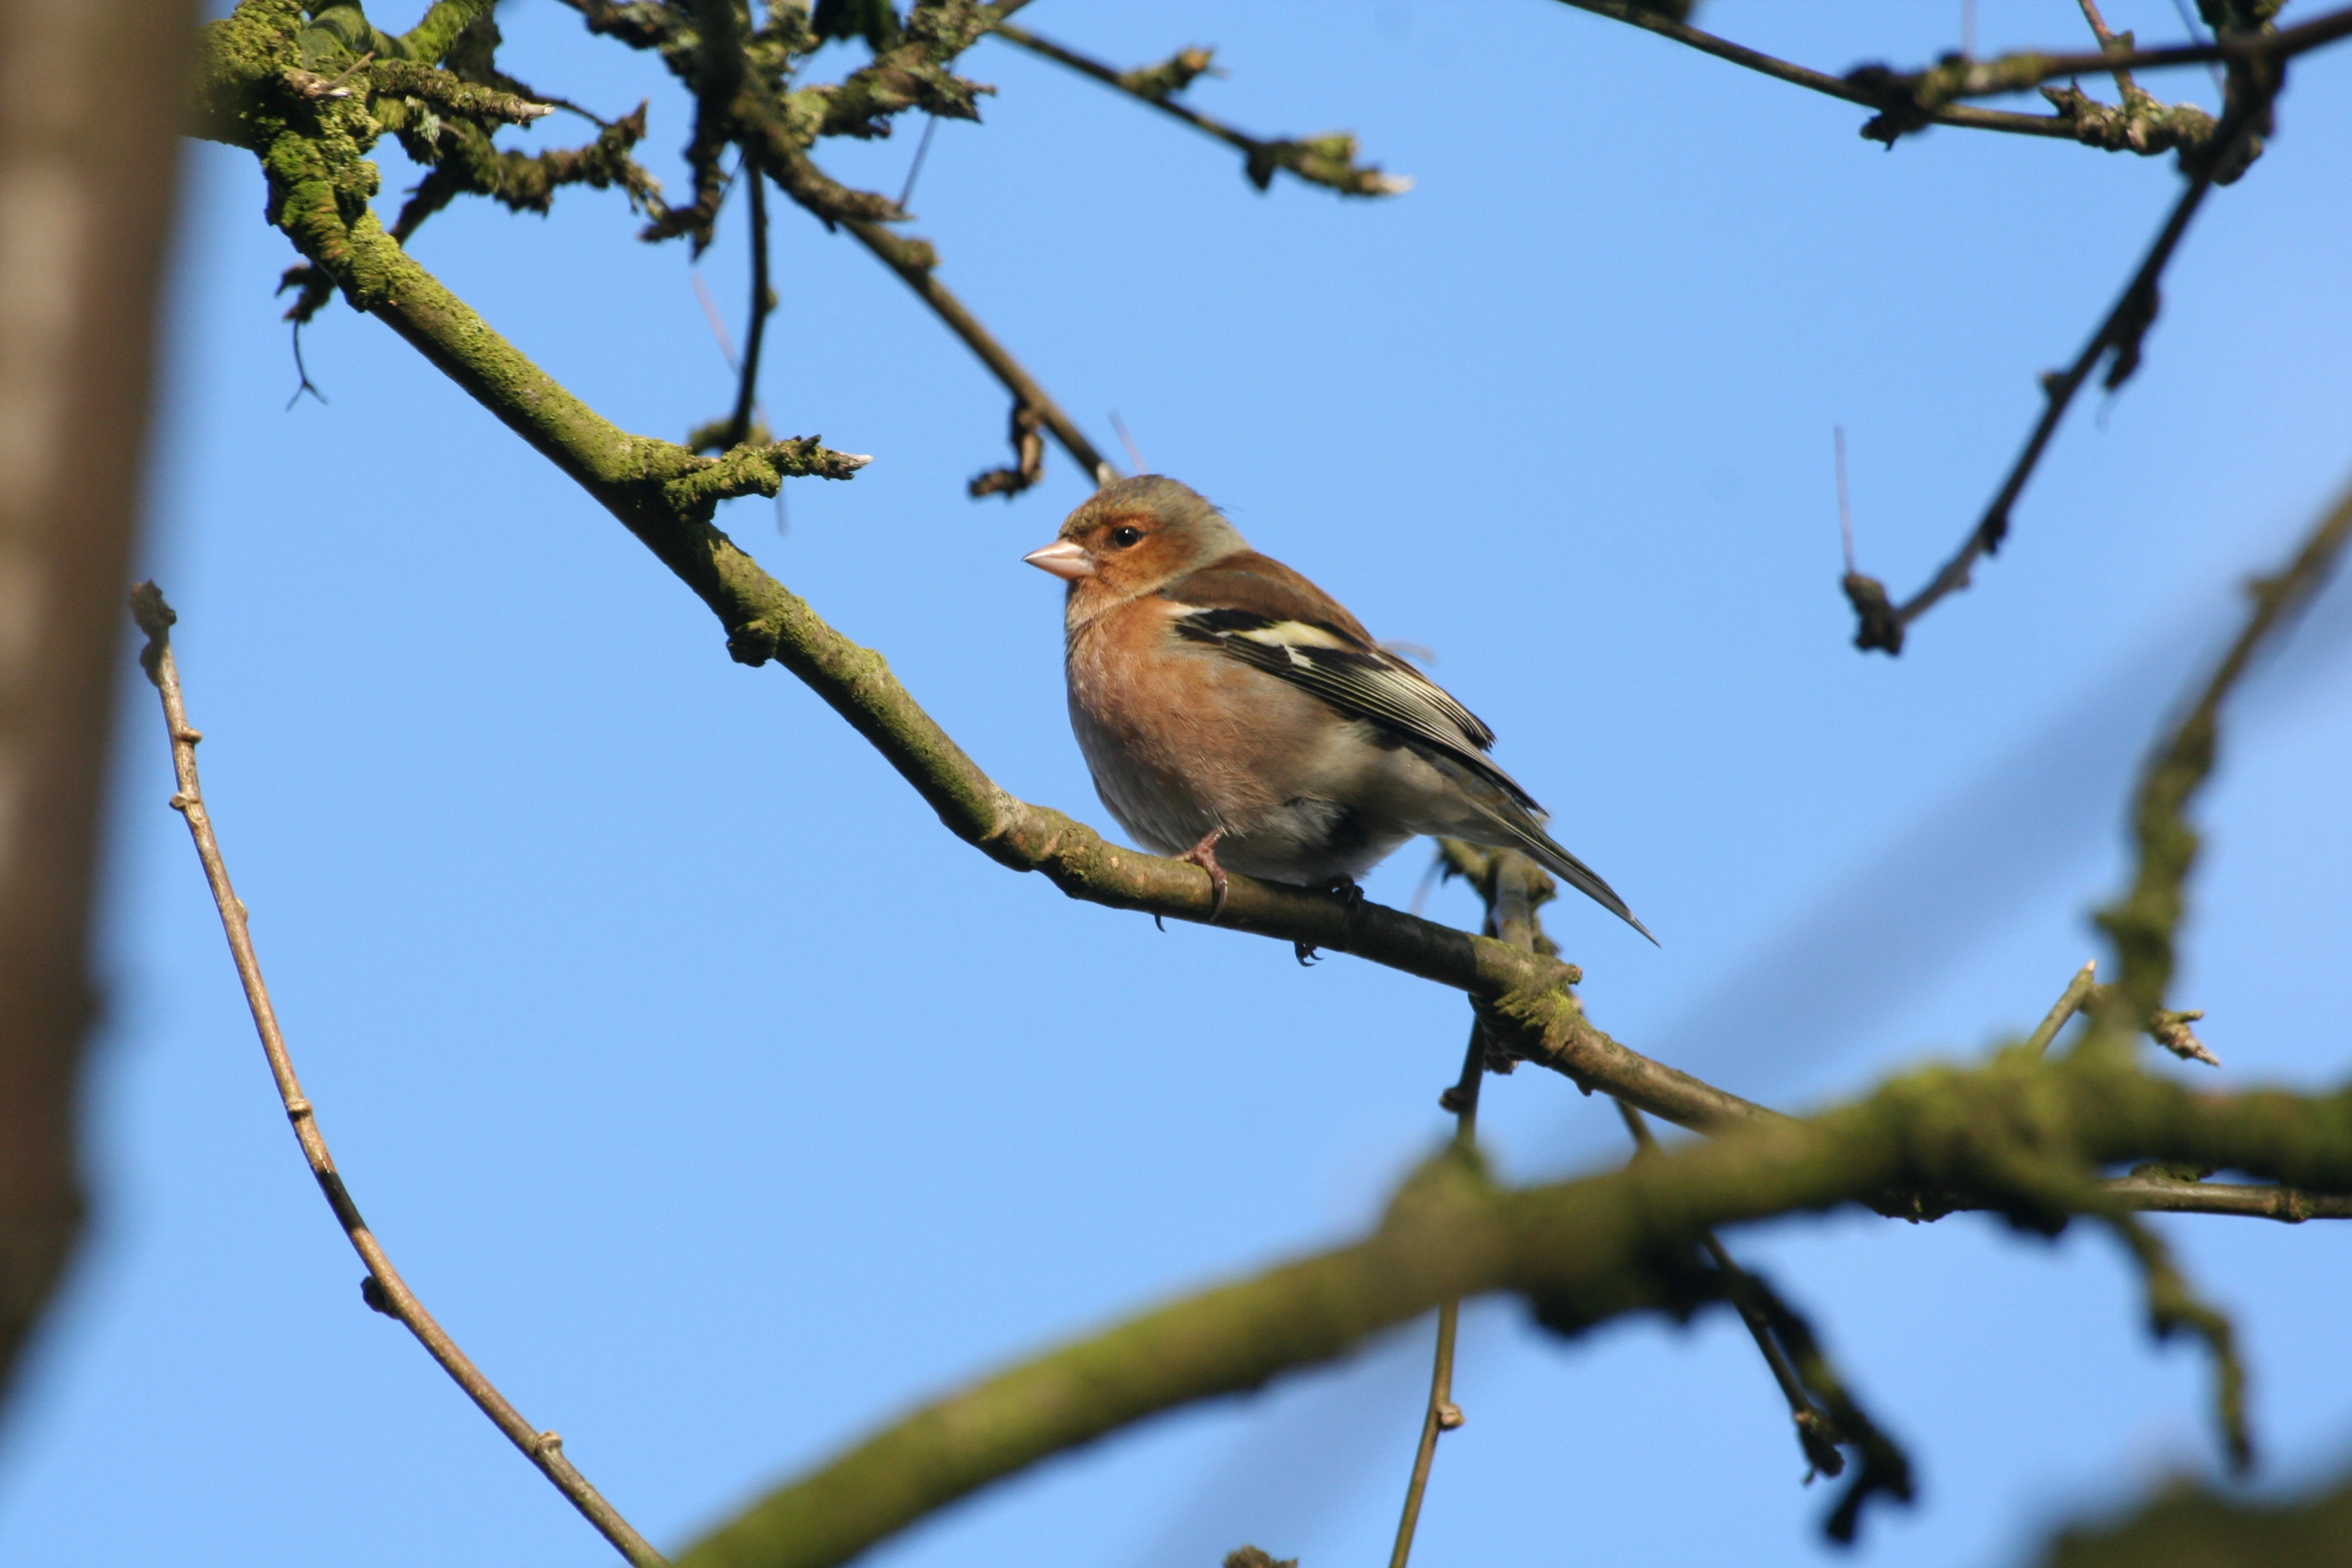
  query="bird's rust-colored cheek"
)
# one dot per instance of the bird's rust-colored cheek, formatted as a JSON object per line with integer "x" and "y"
{"x": 1151, "y": 561}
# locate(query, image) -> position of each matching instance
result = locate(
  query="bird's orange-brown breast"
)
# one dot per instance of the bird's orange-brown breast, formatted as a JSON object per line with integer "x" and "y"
{"x": 1181, "y": 738}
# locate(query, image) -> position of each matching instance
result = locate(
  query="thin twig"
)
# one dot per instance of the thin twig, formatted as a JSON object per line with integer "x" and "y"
{"x": 2111, "y": 44}
{"x": 1322, "y": 161}
{"x": 2153, "y": 1194}
{"x": 915, "y": 169}
{"x": 384, "y": 1289}
{"x": 1654, "y": 21}
{"x": 1817, "y": 1436}
{"x": 2189, "y": 25}
{"x": 718, "y": 324}
{"x": 2069, "y": 1002}
{"x": 1512, "y": 888}
{"x": 2173, "y": 1305}
{"x": 763, "y": 302}
{"x": 1884, "y": 1465}
{"x": 1881, "y": 624}
{"x": 912, "y": 262}
{"x": 1442, "y": 1414}
{"x": 1845, "y": 506}
{"x": 303, "y": 370}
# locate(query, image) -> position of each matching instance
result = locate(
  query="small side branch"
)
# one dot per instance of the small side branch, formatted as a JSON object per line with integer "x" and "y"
{"x": 758, "y": 471}
{"x": 2151, "y": 1192}
{"x": 1884, "y": 1467}
{"x": 2144, "y": 921}
{"x": 1881, "y": 623}
{"x": 470, "y": 163}
{"x": 1817, "y": 1435}
{"x": 1441, "y": 1415}
{"x": 913, "y": 261}
{"x": 382, "y": 1289}
{"x": 1327, "y": 161}
{"x": 2172, "y": 1306}
{"x": 764, "y": 304}
{"x": 1652, "y": 20}
{"x": 2070, "y": 1002}
{"x": 1908, "y": 99}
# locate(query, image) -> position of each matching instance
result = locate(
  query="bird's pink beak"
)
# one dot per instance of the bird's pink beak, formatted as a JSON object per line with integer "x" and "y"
{"x": 1064, "y": 558}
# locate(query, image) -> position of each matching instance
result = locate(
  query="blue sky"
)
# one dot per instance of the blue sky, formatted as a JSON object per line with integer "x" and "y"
{"x": 721, "y": 1104}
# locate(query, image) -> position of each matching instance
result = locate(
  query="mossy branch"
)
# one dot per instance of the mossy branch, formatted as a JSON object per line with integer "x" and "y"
{"x": 1581, "y": 1253}
{"x": 2192, "y": 1526}
{"x": 525, "y": 181}
{"x": 2145, "y": 922}
{"x": 429, "y": 42}
{"x": 750, "y": 470}
{"x": 1909, "y": 99}
{"x": 448, "y": 94}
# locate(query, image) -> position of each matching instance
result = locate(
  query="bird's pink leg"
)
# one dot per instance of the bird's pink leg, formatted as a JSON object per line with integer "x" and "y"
{"x": 1204, "y": 855}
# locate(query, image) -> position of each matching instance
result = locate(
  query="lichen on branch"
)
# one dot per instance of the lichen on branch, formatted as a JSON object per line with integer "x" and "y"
{"x": 2016, "y": 1135}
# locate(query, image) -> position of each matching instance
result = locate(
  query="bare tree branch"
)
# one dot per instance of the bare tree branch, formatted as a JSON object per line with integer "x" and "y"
{"x": 763, "y": 305}
{"x": 913, "y": 260}
{"x": 2172, "y": 1306}
{"x": 2154, "y": 1193}
{"x": 2070, "y": 1000}
{"x": 1817, "y": 1435}
{"x": 383, "y": 1289}
{"x": 1907, "y": 101}
{"x": 2211, "y": 153}
{"x": 1931, "y": 91}
{"x": 1329, "y": 160}
{"x": 1514, "y": 890}
{"x": 707, "y": 55}
{"x": 1652, "y": 19}
{"x": 1881, "y": 624}
{"x": 1440, "y": 1415}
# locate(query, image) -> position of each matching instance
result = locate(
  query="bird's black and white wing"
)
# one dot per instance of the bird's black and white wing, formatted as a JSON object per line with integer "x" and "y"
{"x": 1267, "y": 616}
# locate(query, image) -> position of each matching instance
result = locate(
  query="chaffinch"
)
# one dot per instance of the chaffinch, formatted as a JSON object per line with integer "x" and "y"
{"x": 1235, "y": 715}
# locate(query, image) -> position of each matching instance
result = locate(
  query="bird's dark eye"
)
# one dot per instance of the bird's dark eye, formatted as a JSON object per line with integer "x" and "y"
{"x": 1123, "y": 537}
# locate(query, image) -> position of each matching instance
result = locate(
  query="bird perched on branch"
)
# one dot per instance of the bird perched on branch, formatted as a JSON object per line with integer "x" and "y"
{"x": 1236, "y": 716}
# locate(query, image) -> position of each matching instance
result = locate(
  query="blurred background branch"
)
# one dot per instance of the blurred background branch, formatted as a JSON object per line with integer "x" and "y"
{"x": 89, "y": 129}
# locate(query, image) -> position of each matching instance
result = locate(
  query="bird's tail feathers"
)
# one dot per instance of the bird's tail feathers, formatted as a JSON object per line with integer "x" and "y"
{"x": 1528, "y": 838}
